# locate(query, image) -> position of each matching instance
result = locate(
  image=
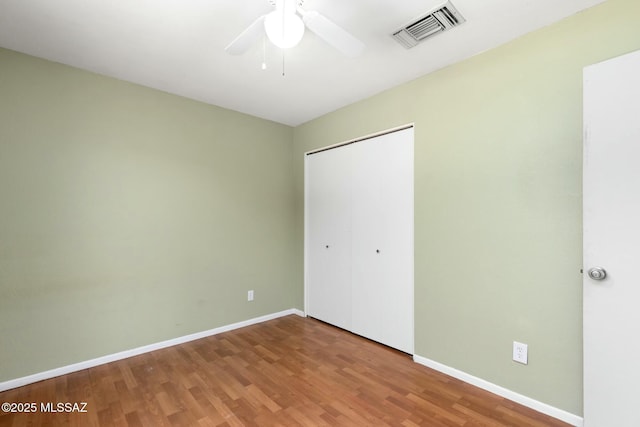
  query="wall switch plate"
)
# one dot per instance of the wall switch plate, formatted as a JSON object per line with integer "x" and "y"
{"x": 520, "y": 352}
{"x": 250, "y": 296}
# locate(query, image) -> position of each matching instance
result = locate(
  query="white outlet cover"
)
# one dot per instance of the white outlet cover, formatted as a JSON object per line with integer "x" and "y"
{"x": 250, "y": 296}
{"x": 520, "y": 352}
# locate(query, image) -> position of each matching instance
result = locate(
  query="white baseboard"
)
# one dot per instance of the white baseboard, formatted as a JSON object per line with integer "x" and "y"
{"x": 554, "y": 412}
{"x": 19, "y": 382}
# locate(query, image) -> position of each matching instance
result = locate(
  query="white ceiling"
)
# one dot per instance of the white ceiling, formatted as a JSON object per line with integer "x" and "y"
{"x": 178, "y": 46}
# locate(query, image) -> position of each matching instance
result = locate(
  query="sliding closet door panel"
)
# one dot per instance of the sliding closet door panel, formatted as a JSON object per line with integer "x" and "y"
{"x": 382, "y": 236}
{"x": 328, "y": 199}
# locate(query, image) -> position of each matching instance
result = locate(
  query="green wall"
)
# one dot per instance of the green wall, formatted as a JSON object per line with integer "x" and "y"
{"x": 498, "y": 232}
{"x": 130, "y": 216}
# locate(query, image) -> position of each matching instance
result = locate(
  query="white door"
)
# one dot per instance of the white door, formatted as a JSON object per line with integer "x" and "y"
{"x": 612, "y": 242}
{"x": 382, "y": 228}
{"x": 328, "y": 237}
{"x": 359, "y": 237}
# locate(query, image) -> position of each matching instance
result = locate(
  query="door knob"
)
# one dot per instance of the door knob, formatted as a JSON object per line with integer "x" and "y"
{"x": 597, "y": 273}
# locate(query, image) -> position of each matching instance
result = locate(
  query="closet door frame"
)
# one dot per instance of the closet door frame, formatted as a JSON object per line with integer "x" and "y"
{"x": 306, "y": 213}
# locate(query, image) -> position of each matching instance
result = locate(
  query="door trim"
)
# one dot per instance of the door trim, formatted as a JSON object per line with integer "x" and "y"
{"x": 362, "y": 138}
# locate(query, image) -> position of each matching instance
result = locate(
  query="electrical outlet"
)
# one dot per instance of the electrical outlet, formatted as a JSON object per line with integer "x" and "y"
{"x": 250, "y": 296}
{"x": 520, "y": 352}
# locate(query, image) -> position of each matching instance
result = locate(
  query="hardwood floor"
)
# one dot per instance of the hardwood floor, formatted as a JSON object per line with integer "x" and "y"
{"x": 290, "y": 371}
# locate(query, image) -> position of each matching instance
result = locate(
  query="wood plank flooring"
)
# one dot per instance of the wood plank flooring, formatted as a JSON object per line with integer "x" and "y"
{"x": 290, "y": 371}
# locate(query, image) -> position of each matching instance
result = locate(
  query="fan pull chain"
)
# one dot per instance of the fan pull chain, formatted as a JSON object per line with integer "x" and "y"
{"x": 264, "y": 52}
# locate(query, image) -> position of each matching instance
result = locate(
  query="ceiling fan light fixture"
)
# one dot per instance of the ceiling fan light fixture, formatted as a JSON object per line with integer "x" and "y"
{"x": 284, "y": 28}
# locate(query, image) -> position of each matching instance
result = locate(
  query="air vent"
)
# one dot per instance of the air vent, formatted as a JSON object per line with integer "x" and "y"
{"x": 434, "y": 22}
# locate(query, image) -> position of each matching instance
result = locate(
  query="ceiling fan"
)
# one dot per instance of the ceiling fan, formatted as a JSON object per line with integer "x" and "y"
{"x": 285, "y": 27}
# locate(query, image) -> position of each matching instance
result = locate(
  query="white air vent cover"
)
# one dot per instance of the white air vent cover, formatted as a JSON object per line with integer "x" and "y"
{"x": 434, "y": 22}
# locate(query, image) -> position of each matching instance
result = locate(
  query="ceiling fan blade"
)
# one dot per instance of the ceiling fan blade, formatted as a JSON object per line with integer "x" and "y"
{"x": 247, "y": 38}
{"x": 331, "y": 33}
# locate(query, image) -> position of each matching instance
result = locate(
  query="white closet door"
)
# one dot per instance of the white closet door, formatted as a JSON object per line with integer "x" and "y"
{"x": 328, "y": 216}
{"x": 382, "y": 236}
